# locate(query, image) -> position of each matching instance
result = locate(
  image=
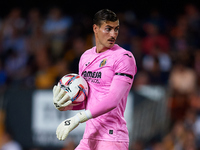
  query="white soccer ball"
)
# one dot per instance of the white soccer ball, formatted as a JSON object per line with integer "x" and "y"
{"x": 76, "y": 87}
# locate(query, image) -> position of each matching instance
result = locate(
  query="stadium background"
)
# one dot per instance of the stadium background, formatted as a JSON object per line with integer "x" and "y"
{"x": 159, "y": 117}
{"x": 142, "y": 7}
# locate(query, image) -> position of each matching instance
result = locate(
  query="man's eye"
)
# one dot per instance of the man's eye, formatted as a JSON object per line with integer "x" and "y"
{"x": 117, "y": 29}
{"x": 108, "y": 29}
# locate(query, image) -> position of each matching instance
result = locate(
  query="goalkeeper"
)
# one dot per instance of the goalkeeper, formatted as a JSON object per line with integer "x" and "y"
{"x": 109, "y": 70}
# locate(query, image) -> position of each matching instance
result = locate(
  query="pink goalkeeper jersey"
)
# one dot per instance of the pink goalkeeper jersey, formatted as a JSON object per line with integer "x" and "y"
{"x": 99, "y": 69}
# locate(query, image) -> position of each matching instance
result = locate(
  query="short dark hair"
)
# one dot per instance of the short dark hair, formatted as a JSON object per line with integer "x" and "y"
{"x": 103, "y": 16}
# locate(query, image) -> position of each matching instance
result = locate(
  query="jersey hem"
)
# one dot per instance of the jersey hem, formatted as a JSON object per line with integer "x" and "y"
{"x": 125, "y": 140}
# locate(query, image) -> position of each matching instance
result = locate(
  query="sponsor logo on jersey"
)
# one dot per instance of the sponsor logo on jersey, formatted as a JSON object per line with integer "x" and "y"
{"x": 91, "y": 74}
{"x": 92, "y": 77}
{"x": 103, "y": 62}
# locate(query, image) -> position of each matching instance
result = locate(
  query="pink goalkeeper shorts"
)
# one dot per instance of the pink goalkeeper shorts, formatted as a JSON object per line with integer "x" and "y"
{"x": 88, "y": 144}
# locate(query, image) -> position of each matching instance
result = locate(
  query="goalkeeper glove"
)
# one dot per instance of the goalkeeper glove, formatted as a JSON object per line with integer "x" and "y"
{"x": 60, "y": 98}
{"x": 69, "y": 124}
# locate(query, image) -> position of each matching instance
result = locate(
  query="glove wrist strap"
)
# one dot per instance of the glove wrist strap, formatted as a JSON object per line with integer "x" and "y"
{"x": 84, "y": 116}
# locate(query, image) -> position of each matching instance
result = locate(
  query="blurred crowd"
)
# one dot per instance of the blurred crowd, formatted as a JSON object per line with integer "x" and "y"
{"x": 37, "y": 49}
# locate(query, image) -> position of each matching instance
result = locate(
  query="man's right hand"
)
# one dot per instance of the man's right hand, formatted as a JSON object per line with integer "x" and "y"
{"x": 60, "y": 98}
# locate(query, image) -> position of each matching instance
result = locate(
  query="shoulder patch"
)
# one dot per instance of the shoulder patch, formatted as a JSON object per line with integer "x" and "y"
{"x": 128, "y": 55}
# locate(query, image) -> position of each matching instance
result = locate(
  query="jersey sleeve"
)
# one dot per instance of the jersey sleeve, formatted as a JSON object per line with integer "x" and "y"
{"x": 78, "y": 107}
{"x": 115, "y": 95}
{"x": 125, "y": 67}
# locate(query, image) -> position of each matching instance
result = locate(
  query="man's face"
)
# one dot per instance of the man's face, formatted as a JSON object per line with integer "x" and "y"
{"x": 106, "y": 34}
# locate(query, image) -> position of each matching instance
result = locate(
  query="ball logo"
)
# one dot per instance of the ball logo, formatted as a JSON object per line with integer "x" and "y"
{"x": 66, "y": 88}
{"x": 103, "y": 62}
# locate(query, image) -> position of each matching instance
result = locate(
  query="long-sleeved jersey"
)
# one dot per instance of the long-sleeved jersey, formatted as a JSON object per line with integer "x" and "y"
{"x": 110, "y": 75}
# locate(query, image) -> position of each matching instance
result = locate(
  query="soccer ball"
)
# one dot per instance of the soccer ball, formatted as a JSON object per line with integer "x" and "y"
{"x": 76, "y": 87}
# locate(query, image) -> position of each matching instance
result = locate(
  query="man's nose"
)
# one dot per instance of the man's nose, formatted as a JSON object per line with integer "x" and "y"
{"x": 113, "y": 33}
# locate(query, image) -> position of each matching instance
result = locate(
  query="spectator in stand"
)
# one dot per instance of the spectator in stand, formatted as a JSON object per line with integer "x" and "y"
{"x": 181, "y": 92}
{"x": 34, "y": 21}
{"x": 179, "y": 138}
{"x": 141, "y": 79}
{"x": 151, "y": 66}
{"x": 15, "y": 20}
{"x": 193, "y": 18}
{"x": 8, "y": 142}
{"x": 179, "y": 35}
{"x": 3, "y": 77}
{"x": 72, "y": 56}
{"x": 56, "y": 27}
{"x": 154, "y": 39}
{"x": 46, "y": 73}
{"x": 156, "y": 60}
{"x": 197, "y": 65}
{"x": 181, "y": 73}
{"x": 15, "y": 56}
{"x": 36, "y": 43}
{"x": 136, "y": 48}
{"x": 125, "y": 36}
{"x": 137, "y": 145}
{"x": 159, "y": 20}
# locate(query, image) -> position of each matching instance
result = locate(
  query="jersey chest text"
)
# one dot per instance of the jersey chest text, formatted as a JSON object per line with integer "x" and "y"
{"x": 99, "y": 72}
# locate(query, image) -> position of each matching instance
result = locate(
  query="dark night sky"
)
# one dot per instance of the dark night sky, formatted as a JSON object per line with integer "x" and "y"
{"x": 141, "y": 7}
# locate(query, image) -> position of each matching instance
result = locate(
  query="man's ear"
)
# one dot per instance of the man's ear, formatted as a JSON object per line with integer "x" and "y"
{"x": 95, "y": 28}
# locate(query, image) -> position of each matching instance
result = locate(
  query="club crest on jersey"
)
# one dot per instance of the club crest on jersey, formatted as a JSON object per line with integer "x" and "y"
{"x": 103, "y": 62}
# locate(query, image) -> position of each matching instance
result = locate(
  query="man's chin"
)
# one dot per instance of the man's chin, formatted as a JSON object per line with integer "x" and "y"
{"x": 110, "y": 45}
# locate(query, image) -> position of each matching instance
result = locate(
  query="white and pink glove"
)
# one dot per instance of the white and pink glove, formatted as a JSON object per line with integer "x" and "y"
{"x": 68, "y": 125}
